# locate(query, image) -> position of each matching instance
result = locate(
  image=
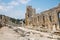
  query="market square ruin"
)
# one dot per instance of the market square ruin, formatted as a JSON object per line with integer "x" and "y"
{"x": 49, "y": 19}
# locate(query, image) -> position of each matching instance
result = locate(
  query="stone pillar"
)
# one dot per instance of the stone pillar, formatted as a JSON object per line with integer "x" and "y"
{"x": 58, "y": 27}
{"x": 54, "y": 28}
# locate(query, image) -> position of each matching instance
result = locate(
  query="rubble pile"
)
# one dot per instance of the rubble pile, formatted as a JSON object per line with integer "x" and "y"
{"x": 21, "y": 33}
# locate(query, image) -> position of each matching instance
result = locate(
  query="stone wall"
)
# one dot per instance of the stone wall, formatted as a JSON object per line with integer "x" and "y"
{"x": 48, "y": 18}
{"x": 3, "y": 19}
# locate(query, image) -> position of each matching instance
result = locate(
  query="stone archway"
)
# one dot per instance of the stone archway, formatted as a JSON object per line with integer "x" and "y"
{"x": 59, "y": 18}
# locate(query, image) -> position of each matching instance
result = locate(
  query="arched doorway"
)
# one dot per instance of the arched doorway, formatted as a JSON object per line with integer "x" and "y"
{"x": 59, "y": 18}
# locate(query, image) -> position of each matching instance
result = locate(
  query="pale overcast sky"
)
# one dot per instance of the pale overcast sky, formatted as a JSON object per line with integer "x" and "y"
{"x": 16, "y": 8}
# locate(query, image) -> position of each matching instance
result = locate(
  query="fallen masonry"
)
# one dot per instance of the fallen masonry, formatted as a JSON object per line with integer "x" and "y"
{"x": 22, "y": 33}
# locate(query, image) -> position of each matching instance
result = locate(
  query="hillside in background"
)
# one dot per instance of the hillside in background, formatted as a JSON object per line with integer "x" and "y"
{"x": 11, "y": 21}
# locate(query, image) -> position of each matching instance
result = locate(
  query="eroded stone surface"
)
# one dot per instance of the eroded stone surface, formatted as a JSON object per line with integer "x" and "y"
{"x": 46, "y": 19}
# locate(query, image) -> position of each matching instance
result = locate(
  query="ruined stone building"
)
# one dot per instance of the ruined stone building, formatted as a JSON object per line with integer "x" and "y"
{"x": 3, "y": 19}
{"x": 48, "y": 18}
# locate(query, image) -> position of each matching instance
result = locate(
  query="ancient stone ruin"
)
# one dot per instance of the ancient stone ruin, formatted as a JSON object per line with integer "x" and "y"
{"x": 49, "y": 18}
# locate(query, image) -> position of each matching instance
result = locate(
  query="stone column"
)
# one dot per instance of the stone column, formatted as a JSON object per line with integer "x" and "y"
{"x": 54, "y": 28}
{"x": 58, "y": 27}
